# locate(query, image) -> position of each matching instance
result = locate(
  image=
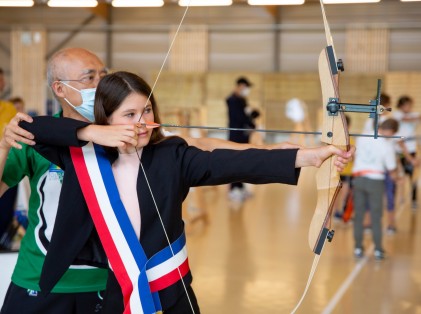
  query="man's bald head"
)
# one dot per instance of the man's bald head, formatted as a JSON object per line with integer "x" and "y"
{"x": 62, "y": 60}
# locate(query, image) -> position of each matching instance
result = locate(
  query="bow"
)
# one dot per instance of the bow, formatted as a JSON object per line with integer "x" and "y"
{"x": 334, "y": 132}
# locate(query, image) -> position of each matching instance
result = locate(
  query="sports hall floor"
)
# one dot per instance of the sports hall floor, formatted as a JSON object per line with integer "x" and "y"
{"x": 256, "y": 259}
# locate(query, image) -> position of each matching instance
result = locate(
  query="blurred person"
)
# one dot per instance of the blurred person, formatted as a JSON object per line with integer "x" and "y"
{"x": 390, "y": 184}
{"x": 239, "y": 117}
{"x": 373, "y": 158}
{"x": 408, "y": 121}
{"x": 7, "y": 201}
{"x": 18, "y": 103}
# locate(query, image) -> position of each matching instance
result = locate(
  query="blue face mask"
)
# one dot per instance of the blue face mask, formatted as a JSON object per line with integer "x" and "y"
{"x": 86, "y": 109}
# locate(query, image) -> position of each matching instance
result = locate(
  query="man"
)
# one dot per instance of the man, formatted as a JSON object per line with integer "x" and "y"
{"x": 71, "y": 73}
{"x": 7, "y": 112}
{"x": 239, "y": 118}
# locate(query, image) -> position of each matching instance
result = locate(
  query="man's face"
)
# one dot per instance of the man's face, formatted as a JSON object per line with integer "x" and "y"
{"x": 81, "y": 70}
{"x": 244, "y": 90}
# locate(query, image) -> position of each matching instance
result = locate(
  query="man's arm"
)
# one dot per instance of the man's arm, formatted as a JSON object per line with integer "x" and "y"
{"x": 11, "y": 136}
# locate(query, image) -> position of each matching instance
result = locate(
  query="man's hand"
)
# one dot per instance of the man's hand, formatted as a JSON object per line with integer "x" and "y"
{"x": 13, "y": 133}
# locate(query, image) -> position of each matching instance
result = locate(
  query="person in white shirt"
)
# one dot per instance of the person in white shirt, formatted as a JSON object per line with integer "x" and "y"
{"x": 390, "y": 185}
{"x": 408, "y": 121}
{"x": 374, "y": 157}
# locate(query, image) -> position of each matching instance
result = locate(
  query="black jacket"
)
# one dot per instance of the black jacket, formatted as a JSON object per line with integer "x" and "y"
{"x": 172, "y": 167}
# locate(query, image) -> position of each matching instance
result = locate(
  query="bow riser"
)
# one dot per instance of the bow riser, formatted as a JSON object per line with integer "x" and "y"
{"x": 334, "y": 132}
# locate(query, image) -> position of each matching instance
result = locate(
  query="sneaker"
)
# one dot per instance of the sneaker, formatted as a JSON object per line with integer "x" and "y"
{"x": 358, "y": 252}
{"x": 391, "y": 230}
{"x": 379, "y": 255}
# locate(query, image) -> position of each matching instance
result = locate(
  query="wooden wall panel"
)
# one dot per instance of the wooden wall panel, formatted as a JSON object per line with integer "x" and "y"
{"x": 177, "y": 92}
{"x": 367, "y": 50}
{"x": 189, "y": 52}
{"x": 398, "y": 84}
{"x": 28, "y": 68}
{"x": 280, "y": 88}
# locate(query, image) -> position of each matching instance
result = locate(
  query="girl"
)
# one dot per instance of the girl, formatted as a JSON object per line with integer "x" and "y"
{"x": 152, "y": 175}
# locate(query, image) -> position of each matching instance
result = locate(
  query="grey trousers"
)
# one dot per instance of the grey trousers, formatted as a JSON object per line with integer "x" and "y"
{"x": 368, "y": 192}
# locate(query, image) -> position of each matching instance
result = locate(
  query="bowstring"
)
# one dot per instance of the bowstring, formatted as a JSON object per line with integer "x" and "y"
{"x": 141, "y": 165}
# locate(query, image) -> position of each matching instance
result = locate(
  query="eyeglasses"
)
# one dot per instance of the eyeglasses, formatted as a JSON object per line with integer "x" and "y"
{"x": 87, "y": 79}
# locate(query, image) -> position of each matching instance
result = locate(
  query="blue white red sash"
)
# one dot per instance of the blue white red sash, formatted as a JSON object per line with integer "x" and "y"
{"x": 140, "y": 279}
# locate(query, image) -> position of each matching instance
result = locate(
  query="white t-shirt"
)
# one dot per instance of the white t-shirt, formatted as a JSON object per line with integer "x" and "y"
{"x": 374, "y": 157}
{"x": 406, "y": 129}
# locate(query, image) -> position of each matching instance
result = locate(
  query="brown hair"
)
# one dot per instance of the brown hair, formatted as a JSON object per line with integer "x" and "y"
{"x": 403, "y": 100}
{"x": 390, "y": 124}
{"x": 16, "y": 99}
{"x": 111, "y": 92}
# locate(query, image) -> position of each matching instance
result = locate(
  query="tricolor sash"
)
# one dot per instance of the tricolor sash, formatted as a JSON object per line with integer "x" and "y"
{"x": 140, "y": 279}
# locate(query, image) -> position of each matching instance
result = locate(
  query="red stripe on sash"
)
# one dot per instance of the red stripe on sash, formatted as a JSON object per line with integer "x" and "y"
{"x": 101, "y": 227}
{"x": 170, "y": 278}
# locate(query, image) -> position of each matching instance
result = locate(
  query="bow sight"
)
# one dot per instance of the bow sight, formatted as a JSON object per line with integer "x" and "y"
{"x": 374, "y": 109}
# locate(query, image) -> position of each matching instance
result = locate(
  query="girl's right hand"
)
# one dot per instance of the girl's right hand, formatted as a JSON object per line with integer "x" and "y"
{"x": 110, "y": 135}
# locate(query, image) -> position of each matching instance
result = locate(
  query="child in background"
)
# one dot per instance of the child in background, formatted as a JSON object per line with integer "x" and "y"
{"x": 390, "y": 185}
{"x": 373, "y": 159}
{"x": 408, "y": 121}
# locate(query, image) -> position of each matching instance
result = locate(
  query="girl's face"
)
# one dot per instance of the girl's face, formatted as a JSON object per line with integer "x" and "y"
{"x": 130, "y": 111}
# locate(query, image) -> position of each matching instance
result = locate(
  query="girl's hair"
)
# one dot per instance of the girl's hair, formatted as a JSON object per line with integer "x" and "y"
{"x": 403, "y": 100}
{"x": 111, "y": 92}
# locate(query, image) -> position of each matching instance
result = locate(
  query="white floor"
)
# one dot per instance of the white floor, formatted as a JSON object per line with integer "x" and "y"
{"x": 7, "y": 262}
